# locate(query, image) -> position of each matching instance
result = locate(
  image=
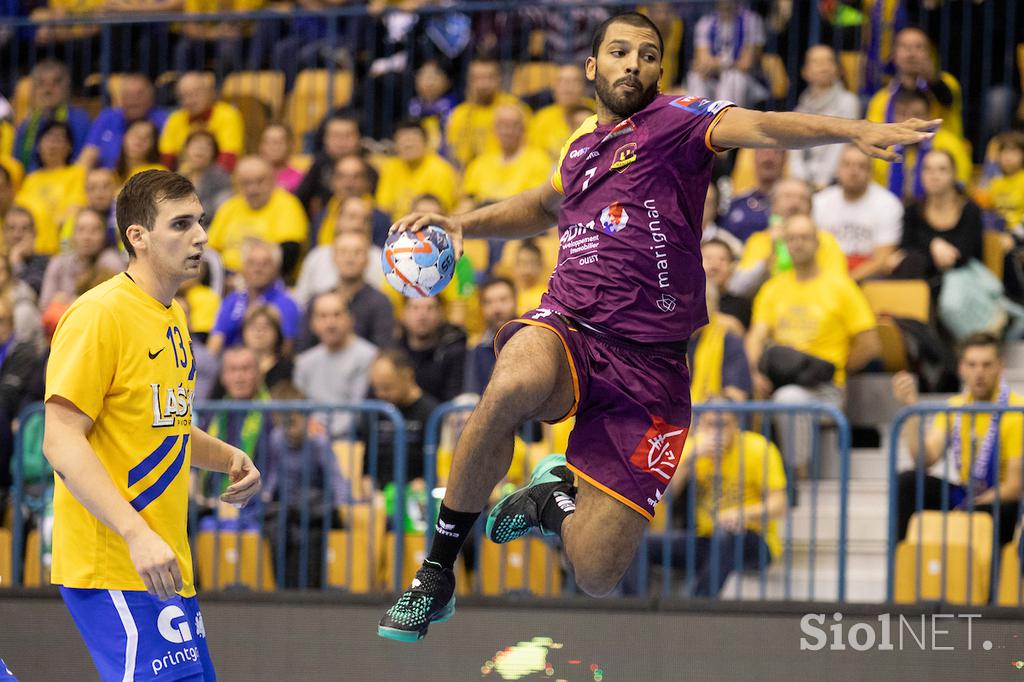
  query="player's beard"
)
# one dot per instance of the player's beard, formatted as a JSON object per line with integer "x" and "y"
{"x": 627, "y": 104}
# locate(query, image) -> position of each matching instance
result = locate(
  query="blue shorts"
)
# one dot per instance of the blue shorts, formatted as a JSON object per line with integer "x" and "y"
{"x": 135, "y": 636}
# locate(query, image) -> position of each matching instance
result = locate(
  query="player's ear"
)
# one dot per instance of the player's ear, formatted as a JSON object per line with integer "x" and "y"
{"x": 135, "y": 233}
{"x": 591, "y": 68}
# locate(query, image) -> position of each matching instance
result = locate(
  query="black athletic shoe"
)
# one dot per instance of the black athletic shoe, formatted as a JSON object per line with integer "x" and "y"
{"x": 519, "y": 511}
{"x": 430, "y": 599}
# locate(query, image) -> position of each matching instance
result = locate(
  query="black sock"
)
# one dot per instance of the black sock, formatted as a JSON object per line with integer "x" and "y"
{"x": 557, "y": 509}
{"x": 451, "y": 531}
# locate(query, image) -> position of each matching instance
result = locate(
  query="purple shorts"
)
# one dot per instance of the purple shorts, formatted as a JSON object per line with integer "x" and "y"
{"x": 632, "y": 408}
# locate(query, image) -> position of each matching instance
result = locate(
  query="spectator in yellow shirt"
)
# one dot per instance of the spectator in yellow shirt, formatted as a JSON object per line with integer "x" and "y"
{"x": 809, "y": 329}
{"x": 739, "y": 494}
{"x": 57, "y": 189}
{"x": 415, "y": 170}
{"x": 904, "y": 178}
{"x": 511, "y": 168}
{"x": 351, "y": 179}
{"x": 1007, "y": 189}
{"x": 260, "y": 210}
{"x": 550, "y": 127}
{"x": 470, "y": 131}
{"x": 765, "y": 253}
{"x": 917, "y": 70}
{"x": 200, "y": 110}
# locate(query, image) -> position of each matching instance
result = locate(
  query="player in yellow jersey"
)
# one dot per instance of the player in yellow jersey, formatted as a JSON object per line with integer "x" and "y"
{"x": 120, "y": 437}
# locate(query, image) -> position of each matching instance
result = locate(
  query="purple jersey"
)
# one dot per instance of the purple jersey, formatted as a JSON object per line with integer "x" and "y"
{"x": 629, "y": 262}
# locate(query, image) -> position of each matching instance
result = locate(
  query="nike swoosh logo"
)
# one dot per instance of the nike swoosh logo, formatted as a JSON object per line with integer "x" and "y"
{"x": 152, "y": 355}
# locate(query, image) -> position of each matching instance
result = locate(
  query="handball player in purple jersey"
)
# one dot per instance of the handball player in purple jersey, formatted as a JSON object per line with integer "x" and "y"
{"x": 608, "y": 343}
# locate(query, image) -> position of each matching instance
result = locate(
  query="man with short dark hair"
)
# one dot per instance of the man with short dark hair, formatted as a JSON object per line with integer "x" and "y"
{"x": 498, "y": 306}
{"x": 120, "y": 437}
{"x": 983, "y": 449}
{"x": 436, "y": 348}
{"x": 393, "y": 380}
{"x": 607, "y": 344}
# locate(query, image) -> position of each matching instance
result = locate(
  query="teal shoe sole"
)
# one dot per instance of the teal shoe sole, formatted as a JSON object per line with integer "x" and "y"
{"x": 398, "y": 635}
{"x": 541, "y": 474}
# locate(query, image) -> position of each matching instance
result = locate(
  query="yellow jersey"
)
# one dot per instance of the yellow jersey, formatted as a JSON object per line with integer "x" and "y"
{"x": 817, "y": 316}
{"x": 52, "y": 196}
{"x": 490, "y": 177}
{"x": 753, "y": 462}
{"x": 952, "y": 116}
{"x": 1011, "y": 433}
{"x": 470, "y": 130}
{"x": 125, "y": 360}
{"x": 400, "y": 183}
{"x": 281, "y": 220}
{"x": 225, "y": 123}
{"x": 549, "y": 130}
{"x": 1007, "y": 193}
{"x": 956, "y": 146}
{"x": 830, "y": 256}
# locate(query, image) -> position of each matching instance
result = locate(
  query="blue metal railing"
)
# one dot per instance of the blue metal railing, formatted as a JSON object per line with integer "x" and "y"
{"x": 823, "y": 416}
{"x": 968, "y": 414}
{"x": 251, "y": 519}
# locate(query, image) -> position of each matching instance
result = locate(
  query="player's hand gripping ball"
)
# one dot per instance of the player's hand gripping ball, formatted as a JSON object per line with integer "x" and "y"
{"x": 419, "y": 264}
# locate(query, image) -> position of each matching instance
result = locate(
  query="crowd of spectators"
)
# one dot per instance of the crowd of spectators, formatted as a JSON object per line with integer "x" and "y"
{"x": 292, "y": 301}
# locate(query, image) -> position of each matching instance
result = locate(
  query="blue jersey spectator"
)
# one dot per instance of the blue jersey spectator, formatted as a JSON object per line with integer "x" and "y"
{"x": 135, "y": 102}
{"x": 51, "y": 87}
{"x": 261, "y": 274}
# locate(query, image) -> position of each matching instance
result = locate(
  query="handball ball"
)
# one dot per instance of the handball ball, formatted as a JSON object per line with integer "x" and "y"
{"x": 419, "y": 264}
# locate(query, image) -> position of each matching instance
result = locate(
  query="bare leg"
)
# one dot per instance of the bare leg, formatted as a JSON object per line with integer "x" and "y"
{"x": 531, "y": 380}
{"x": 601, "y": 539}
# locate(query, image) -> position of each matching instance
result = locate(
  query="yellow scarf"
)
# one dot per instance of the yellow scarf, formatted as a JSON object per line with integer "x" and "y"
{"x": 707, "y": 362}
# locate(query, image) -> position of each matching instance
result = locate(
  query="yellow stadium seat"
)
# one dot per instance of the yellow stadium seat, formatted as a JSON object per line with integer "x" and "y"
{"x": 533, "y": 77}
{"x": 992, "y": 251}
{"x": 236, "y": 561}
{"x": 529, "y": 565}
{"x": 851, "y": 65}
{"x": 1010, "y": 581}
{"x": 349, "y": 455}
{"x": 35, "y": 574}
{"x": 775, "y": 70}
{"x": 964, "y": 533}
{"x": 266, "y": 86}
{"x": 415, "y": 552}
{"x": 6, "y": 565}
{"x": 907, "y": 298}
{"x": 354, "y": 554}
{"x": 254, "y": 115}
{"x": 307, "y": 104}
{"x": 22, "y": 101}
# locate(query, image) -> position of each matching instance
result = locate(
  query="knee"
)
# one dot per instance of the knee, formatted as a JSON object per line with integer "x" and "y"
{"x": 596, "y": 583}
{"x": 791, "y": 394}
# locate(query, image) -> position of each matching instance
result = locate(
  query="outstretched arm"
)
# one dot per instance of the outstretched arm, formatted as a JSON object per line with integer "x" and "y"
{"x": 790, "y": 130}
{"x": 523, "y": 215}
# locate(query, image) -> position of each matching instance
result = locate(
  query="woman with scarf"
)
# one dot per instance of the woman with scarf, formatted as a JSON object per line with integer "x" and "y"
{"x": 983, "y": 449}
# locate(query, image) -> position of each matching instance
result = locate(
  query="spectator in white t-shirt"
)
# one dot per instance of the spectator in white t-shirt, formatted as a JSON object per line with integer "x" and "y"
{"x": 825, "y": 95}
{"x": 864, "y": 217}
